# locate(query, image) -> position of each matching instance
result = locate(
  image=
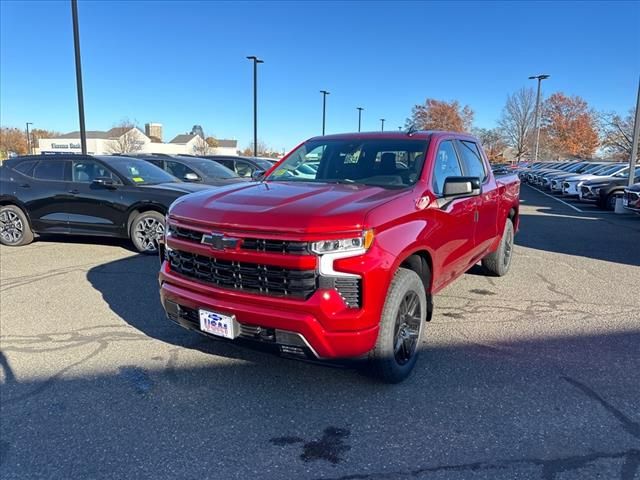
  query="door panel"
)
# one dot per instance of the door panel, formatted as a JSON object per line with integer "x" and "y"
{"x": 452, "y": 236}
{"x": 46, "y": 196}
{"x": 95, "y": 209}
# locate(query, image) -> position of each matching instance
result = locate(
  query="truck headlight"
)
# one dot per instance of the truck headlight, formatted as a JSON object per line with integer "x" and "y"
{"x": 360, "y": 243}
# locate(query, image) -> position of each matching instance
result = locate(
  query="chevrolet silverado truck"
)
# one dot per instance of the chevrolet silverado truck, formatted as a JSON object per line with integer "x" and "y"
{"x": 343, "y": 263}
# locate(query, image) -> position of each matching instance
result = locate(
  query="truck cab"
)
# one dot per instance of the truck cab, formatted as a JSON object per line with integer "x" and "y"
{"x": 338, "y": 250}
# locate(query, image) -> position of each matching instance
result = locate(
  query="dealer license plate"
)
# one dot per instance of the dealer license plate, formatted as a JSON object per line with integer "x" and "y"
{"x": 217, "y": 324}
{"x": 625, "y": 202}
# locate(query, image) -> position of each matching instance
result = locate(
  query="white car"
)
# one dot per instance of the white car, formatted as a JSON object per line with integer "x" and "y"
{"x": 571, "y": 185}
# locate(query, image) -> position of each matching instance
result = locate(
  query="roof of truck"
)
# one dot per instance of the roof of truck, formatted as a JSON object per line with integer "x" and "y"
{"x": 397, "y": 135}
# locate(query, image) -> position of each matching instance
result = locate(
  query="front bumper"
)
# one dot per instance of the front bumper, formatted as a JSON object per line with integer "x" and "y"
{"x": 322, "y": 326}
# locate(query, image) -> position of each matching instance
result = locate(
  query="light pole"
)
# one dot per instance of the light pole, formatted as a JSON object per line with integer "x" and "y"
{"x": 324, "y": 107}
{"x": 399, "y": 129}
{"x": 256, "y": 61}
{"x": 634, "y": 144}
{"x": 76, "y": 45}
{"x": 382, "y": 123}
{"x": 536, "y": 123}
{"x": 28, "y": 138}
{"x": 359, "y": 117}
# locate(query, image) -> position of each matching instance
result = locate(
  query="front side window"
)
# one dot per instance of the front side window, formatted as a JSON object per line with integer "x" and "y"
{"x": 472, "y": 160}
{"x": 86, "y": 171}
{"x": 178, "y": 170}
{"x": 388, "y": 163}
{"x": 446, "y": 165}
{"x": 50, "y": 170}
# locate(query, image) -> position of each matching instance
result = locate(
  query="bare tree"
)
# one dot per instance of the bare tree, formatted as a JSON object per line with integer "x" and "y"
{"x": 200, "y": 146}
{"x": 124, "y": 138}
{"x": 492, "y": 141}
{"x": 517, "y": 121}
{"x": 617, "y": 134}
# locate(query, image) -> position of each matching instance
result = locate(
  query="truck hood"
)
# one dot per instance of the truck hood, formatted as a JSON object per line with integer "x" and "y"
{"x": 293, "y": 207}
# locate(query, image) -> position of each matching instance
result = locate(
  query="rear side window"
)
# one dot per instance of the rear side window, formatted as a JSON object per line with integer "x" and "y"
{"x": 446, "y": 165}
{"x": 472, "y": 160}
{"x": 26, "y": 168}
{"x": 50, "y": 170}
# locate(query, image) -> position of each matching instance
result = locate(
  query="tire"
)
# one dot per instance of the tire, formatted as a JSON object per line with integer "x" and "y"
{"x": 497, "y": 263}
{"x": 146, "y": 229}
{"x": 401, "y": 324}
{"x": 14, "y": 227}
{"x": 610, "y": 202}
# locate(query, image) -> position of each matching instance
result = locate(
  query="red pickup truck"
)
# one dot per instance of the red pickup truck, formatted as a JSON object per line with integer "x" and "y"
{"x": 336, "y": 252}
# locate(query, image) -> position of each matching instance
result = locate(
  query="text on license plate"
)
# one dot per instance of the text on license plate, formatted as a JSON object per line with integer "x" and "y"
{"x": 217, "y": 324}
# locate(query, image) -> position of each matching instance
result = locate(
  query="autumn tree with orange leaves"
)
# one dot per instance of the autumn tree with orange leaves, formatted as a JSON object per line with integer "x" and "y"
{"x": 441, "y": 115}
{"x": 568, "y": 128}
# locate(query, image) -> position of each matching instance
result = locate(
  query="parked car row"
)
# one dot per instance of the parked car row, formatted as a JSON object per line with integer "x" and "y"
{"x": 599, "y": 182}
{"x": 106, "y": 195}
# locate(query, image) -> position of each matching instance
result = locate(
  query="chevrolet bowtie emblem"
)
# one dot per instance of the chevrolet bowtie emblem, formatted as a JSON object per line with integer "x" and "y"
{"x": 218, "y": 241}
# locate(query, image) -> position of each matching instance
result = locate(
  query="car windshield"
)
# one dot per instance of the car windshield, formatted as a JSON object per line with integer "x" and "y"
{"x": 211, "y": 168}
{"x": 139, "y": 172}
{"x": 389, "y": 163}
{"x": 607, "y": 170}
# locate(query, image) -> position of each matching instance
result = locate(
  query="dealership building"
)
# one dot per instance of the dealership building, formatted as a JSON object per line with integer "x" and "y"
{"x": 134, "y": 140}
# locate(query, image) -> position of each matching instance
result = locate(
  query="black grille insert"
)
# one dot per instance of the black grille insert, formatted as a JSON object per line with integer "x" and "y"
{"x": 276, "y": 246}
{"x": 350, "y": 289}
{"x": 255, "y": 278}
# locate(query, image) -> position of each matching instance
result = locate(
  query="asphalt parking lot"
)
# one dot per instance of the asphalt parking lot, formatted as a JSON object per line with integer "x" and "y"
{"x": 534, "y": 375}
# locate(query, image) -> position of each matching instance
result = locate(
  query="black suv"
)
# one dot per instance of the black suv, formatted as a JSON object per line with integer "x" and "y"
{"x": 193, "y": 169}
{"x": 243, "y": 166}
{"x": 112, "y": 196}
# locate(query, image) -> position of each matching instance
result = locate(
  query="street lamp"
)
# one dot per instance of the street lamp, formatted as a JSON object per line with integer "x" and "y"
{"x": 382, "y": 122}
{"x": 399, "y": 129}
{"x": 76, "y": 45}
{"x": 359, "y": 117}
{"x": 29, "y": 138}
{"x": 256, "y": 61}
{"x": 324, "y": 107}
{"x": 536, "y": 125}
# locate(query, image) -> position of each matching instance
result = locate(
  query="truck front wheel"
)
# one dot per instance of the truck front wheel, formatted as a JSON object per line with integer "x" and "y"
{"x": 498, "y": 262}
{"x": 403, "y": 317}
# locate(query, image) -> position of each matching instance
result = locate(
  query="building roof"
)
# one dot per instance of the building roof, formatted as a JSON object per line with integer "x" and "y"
{"x": 115, "y": 132}
{"x": 185, "y": 138}
{"x": 227, "y": 143}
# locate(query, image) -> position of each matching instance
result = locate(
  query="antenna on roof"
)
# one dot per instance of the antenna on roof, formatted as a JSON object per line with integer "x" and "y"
{"x": 412, "y": 129}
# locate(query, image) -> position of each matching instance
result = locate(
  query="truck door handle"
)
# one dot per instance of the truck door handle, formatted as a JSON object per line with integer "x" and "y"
{"x": 74, "y": 191}
{"x": 24, "y": 185}
{"x": 476, "y": 216}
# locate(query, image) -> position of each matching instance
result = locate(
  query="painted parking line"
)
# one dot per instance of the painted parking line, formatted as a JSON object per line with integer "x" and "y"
{"x": 556, "y": 199}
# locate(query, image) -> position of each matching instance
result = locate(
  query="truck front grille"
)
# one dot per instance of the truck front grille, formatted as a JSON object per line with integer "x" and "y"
{"x": 250, "y": 277}
{"x": 254, "y": 244}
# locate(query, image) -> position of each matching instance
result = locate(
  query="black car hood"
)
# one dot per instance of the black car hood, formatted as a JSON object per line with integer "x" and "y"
{"x": 183, "y": 187}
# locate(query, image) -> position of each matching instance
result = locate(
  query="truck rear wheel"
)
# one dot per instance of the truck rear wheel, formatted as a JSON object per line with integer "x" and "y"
{"x": 498, "y": 262}
{"x": 403, "y": 317}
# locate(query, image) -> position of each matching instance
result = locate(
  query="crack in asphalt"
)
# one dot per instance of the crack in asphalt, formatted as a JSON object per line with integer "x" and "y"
{"x": 628, "y": 425}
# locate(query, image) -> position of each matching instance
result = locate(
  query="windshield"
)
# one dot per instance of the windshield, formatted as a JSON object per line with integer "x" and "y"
{"x": 212, "y": 168}
{"x": 139, "y": 172}
{"x": 382, "y": 162}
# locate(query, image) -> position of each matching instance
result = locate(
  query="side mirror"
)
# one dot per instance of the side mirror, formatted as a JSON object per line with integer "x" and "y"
{"x": 106, "y": 182}
{"x": 258, "y": 175}
{"x": 455, "y": 187}
{"x": 191, "y": 177}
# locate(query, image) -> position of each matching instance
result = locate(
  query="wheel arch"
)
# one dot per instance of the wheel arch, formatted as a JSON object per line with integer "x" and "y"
{"x": 139, "y": 208}
{"x": 7, "y": 200}
{"x": 421, "y": 262}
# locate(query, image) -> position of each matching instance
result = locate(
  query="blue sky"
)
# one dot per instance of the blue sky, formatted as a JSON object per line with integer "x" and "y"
{"x": 183, "y": 63}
